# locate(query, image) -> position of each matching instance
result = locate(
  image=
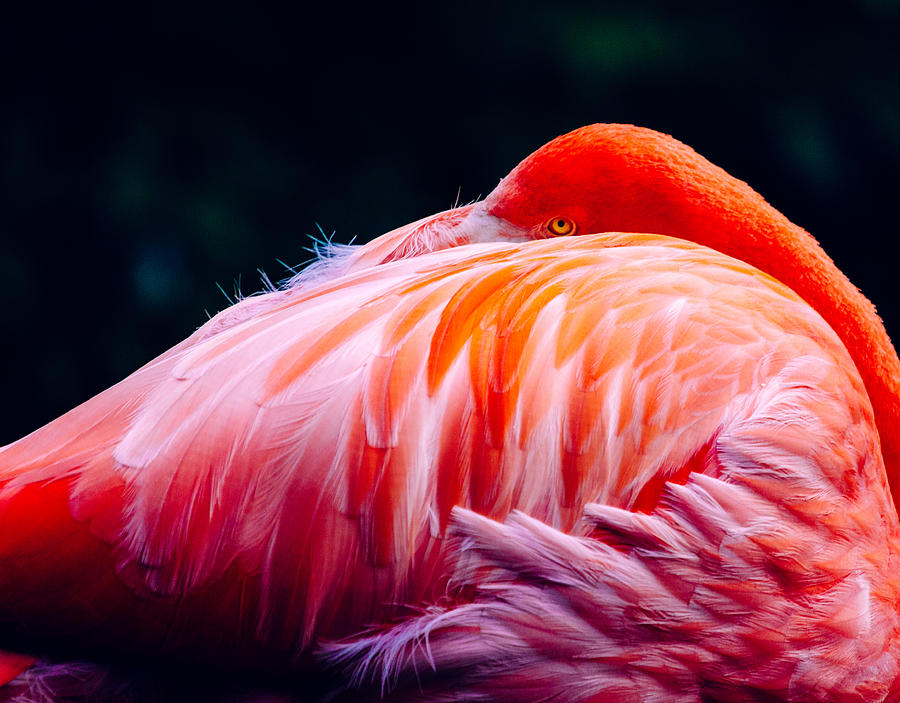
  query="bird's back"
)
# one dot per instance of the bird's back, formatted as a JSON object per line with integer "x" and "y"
{"x": 287, "y": 474}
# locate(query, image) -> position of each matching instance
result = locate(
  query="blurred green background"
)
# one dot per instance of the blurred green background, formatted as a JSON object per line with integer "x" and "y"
{"x": 148, "y": 155}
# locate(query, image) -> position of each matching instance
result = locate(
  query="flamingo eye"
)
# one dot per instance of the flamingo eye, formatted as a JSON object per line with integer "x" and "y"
{"x": 560, "y": 226}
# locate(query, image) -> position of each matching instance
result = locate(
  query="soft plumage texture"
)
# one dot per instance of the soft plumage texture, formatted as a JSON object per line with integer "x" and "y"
{"x": 567, "y": 371}
{"x": 767, "y": 582}
{"x": 410, "y": 434}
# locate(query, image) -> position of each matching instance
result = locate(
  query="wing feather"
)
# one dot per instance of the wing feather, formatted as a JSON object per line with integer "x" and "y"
{"x": 300, "y": 455}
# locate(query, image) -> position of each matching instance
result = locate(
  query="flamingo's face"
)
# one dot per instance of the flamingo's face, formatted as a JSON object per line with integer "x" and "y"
{"x": 520, "y": 224}
{"x": 595, "y": 179}
{"x": 600, "y": 178}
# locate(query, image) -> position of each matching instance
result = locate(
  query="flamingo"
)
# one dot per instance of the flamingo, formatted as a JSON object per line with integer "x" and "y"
{"x": 619, "y": 430}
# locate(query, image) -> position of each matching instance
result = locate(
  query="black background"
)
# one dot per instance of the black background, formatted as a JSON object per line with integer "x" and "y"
{"x": 148, "y": 154}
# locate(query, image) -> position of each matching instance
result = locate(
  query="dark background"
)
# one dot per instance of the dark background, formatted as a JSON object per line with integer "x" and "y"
{"x": 147, "y": 155}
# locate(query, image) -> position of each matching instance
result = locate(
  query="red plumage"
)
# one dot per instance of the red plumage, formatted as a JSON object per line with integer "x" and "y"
{"x": 423, "y": 423}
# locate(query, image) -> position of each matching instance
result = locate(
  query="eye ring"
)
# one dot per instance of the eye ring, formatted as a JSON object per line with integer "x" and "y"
{"x": 560, "y": 226}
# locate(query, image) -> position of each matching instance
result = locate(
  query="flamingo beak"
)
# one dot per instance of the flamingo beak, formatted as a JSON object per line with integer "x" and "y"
{"x": 468, "y": 224}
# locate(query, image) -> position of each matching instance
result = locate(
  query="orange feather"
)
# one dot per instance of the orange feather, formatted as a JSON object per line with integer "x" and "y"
{"x": 608, "y": 465}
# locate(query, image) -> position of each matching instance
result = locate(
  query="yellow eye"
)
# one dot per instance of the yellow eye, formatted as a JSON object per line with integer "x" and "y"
{"x": 560, "y": 226}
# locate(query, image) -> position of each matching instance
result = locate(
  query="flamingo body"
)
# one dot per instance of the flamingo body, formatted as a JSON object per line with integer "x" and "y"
{"x": 314, "y": 460}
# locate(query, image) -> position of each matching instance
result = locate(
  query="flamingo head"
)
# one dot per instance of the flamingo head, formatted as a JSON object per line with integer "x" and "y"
{"x": 622, "y": 178}
{"x": 604, "y": 178}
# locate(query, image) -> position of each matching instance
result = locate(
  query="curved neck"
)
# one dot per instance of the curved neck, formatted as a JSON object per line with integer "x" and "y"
{"x": 820, "y": 283}
{"x": 762, "y": 236}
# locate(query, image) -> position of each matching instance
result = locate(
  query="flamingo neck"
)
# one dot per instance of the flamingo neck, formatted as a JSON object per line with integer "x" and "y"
{"x": 858, "y": 325}
{"x": 763, "y": 237}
